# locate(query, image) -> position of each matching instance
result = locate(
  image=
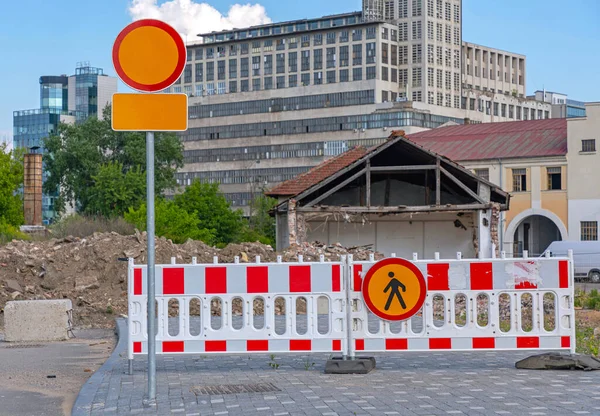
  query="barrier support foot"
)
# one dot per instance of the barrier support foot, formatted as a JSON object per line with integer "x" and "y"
{"x": 130, "y": 367}
{"x": 356, "y": 365}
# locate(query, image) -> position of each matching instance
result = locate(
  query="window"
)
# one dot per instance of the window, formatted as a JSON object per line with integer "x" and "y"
{"x": 503, "y": 108}
{"x": 518, "y": 112}
{"x": 268, "y": 64}
{"x": 221, "y": 88}
{"x": 293, "y": 61}
{"x": 384, "y": 73}
{"x": 357, "y": 34}
{"x": 371, "y": 53}
{"x": 280, "y": 82}
{"x": 403, "y": 77}
{"x": 430, "y": 78}
{"x": 456, "y": 13}
{"x": 430, "y": 97}
{"x": 471, "y": 103}
{"x": 393, "y": 54}
{"x": 456, "y": 59}
{"x": 318, "y": 59}
{"x": 318, "y": 39}
{"x": 305, "y": 79}
{"x": 403, "y": 32}
{"x": 384, "y": 53}
{"x": 447, "y": 9}
{"x": 416, "y": 77}
{"x": 429, "y": 30}
{"x": 430, "y": 56}
{"x": 210, "y": 53}
{"x": 440, "y": 78}
{"x": 356, "y": 74}
{"x": 344, "y": 55}
{"x": 187, "y": 74}
{"x": 210, "y": 71}
{"x": 430, "y": 9}
{"x": 371, "y": 72}
{"x": 371, "y": 32}
{"x": 438, "y": 33}
{"x": 495, "y": 109}
{"x": 457, "y": 36}
{"x": 344, "y": 75}
{"x": 232, "y": 86}
{"x": 554, "y": 178}
{"x": 394, "y": 75}
{"x": 305, "y": 61}
{"x": 417, "y": 8}
{"x": 244, "y": 85}
{"x": 210, "y": 88}
{"x": 456, "y": 81}
{"x": 588, "y": 145}
{"x": 357, "y": 54}
{"x": 280, "y": 44}
{"x": 244, "y": 68}
{"x": 305, "y": 41}
{"x": 402, "y": 8}
{"x": 221, "y": 70}
{"x": 384, "y": 33}
{"x": 233, "y": 68}
{"x": 330, "y": 77}
{"x": 256, "y": 84}
{"x": 589, "y": 230}
{"x": 344, "y": 36}
{"x": 403, "y": 55}
{"x": 255, "y": 66}
{"x": 268, "y": 45}
{"x": 233, "y": 50}
{"x": 416, "y": 30}
{"x": 199, "y": 90}
{"x": 519, "y": 180}
{"x": 199, "y": 54}
{"x": 280, "y": 58}
{"x": 417, "y": 53}
{"x": 331, "y": 36}
{"x": 439, "y": 55}
{"x": 448, "y": 37}
{"x": 483, "y": 173}
{"x": 331, "y": 58}
{"x": 318, "y": 78}
{"x": 256, "y": 47}
{"x": 199, "y": 72}
{"x": 293, "y": 80}
{"x": 417, "y": 96}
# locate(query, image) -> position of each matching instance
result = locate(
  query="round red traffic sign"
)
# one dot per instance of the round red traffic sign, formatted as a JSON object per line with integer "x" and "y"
{"x": 394, "y": 289}
{"x": 149, "y": 55}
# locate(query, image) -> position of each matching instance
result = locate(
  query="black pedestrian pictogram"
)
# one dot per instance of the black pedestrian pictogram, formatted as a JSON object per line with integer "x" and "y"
{"x": 394, "y": 285}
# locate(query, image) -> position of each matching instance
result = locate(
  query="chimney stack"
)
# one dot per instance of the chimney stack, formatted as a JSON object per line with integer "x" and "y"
{"x": 32, "y": 189}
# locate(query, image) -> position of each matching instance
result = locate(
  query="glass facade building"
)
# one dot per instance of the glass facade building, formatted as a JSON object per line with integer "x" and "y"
{"x": 86, "y": 90}
{"x": 54, "y": 92}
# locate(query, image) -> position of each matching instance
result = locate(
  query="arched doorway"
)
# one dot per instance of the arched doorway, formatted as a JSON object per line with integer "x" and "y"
{"x": 533, "y": 230}
{"x": 534, "y": 234}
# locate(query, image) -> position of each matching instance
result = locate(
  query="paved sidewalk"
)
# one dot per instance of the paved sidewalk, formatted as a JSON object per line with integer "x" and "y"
{"x": 479, "y": 383}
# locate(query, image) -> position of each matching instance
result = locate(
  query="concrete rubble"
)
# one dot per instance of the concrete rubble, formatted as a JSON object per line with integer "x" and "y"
{"x": 88, "y": 270}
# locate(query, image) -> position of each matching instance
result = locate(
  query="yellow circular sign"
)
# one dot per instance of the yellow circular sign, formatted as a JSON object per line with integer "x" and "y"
{"x": 394, "y": 289}
{"x": 149, "y": 55}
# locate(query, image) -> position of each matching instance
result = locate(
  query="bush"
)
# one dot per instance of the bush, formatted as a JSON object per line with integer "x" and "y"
{"x": 9, "y": 232}
{"x": 172, "y": 222}
{"x": 84, "y": 226}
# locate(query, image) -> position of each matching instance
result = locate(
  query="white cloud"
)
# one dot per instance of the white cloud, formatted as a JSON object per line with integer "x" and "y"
{"x": 190, "y": 18}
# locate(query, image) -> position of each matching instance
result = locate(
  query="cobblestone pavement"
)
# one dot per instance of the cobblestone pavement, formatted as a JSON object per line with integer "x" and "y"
{"x": 478, "y": 383}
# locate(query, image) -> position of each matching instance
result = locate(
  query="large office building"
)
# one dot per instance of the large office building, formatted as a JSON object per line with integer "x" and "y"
{"x": 269, "y": 102}
{"x": 562, "y": 106}
{"x": 63, "y": 99}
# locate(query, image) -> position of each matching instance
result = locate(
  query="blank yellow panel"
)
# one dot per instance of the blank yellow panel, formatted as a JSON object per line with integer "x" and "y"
{"x": 149, "y": 112}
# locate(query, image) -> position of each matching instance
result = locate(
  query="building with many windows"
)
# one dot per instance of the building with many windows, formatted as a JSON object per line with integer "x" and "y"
{"x": 269, "y": 102}
{"x": 63, "y": 99}
{"x": 562, "y": 106}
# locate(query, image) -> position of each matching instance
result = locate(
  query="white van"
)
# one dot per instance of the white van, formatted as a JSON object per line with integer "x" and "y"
{"x": 586, "y": 257}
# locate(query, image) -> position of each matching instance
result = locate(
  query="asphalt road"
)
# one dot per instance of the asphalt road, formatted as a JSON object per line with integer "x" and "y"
{"x": 26, "y": 389}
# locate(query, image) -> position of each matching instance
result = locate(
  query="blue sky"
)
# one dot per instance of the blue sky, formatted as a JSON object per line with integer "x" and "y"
{"x": 40, "y": 37}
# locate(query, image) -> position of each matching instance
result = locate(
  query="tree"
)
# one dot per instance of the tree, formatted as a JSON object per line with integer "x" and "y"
{"x": 11, "y": 179}
{"x": 213, "y": 211}
{"x": 115, "y": 191}
{"x": 76, "y": 154}
{"x": 171, "y": 221}
{"x": 260, "y": 221}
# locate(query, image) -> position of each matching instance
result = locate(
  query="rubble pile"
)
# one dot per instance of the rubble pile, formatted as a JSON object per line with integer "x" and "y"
{"x": 92, "y": 271}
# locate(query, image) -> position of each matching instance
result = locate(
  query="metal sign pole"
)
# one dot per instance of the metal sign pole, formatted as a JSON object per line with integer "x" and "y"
{"x": 151, "y": 288}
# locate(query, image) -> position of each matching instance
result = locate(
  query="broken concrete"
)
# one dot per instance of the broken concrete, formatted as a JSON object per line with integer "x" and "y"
{"x": 559, "y": 361}
{"x": 36, "y": 320}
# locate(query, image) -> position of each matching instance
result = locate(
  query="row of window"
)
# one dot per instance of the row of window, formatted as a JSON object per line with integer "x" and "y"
{"x": 284, "y": 151}
{"x": 224, "y": 177}
{"x": 278, "y": 82}
{"x": 496, "y": 75}
{"x": 307, "y": 102}
{"x": 504, "y": 110}
{"x": 269, "y": 45}
{"x": 318, "y": 125}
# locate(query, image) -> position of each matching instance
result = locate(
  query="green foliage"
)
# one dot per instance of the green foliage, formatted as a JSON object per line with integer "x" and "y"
{"x": 83, "y": 226}
{"x": 172, "y": 221}
{"x": 11, "y": 179}
{"x": 116, "y": 190}
{"x": 79, "y": 155}
{"x": 589, "y": 300}
{"x": 10, "y": 232}
{"x": 261, "y": 225}
{"x": 212, "y": 211}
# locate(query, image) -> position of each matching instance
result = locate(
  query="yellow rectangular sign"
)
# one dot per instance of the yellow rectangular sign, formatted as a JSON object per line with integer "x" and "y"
{"x": 149, "y": 112}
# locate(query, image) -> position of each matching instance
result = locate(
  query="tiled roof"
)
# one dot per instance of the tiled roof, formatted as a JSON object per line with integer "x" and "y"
{"x": 515, "y": 139}
{"x": 318, "y": 173}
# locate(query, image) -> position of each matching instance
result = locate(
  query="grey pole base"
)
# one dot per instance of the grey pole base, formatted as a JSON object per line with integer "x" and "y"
{"x": 356, "y": 365}
{"x": 130, "y": 367}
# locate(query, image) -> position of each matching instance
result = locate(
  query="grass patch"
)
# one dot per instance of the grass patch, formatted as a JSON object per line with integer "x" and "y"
{"x": 84, "y": 226}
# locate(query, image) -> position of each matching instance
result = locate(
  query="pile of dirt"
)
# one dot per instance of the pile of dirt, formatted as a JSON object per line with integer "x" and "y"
{"x": 92, "y": 271}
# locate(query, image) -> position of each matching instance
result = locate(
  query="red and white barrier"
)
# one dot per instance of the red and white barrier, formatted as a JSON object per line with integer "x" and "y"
{"x": 491, "y": 304}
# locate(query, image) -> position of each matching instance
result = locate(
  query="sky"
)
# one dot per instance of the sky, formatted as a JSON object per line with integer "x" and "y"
{"x": 41, "y": 37}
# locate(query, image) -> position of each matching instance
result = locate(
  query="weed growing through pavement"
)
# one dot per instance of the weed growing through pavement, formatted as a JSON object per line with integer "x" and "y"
{"x": 273, "y": 364}
{"x": 307, "y": 364}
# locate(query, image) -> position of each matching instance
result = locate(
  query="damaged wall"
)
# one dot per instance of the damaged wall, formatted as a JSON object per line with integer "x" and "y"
{"x": 424, "y": 234}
